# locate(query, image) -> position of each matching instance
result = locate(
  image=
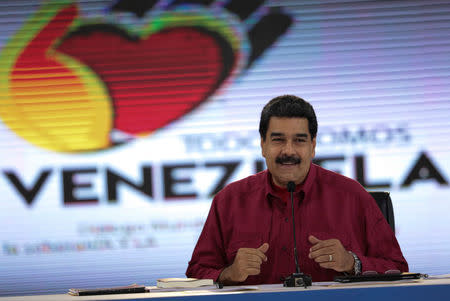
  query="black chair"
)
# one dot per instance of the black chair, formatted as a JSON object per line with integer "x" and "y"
{"x": 384, "y": 201}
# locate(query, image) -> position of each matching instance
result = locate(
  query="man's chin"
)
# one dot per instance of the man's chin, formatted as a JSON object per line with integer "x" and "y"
{"x": 282, "y": 181}
{"x": 283, "y": 174}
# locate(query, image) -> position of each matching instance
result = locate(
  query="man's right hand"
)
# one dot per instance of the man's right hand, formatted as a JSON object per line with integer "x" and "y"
{"x": 247, "y": 262}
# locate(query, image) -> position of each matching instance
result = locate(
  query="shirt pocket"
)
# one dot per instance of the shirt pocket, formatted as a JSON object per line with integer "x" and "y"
{"x": 242, "y": 240}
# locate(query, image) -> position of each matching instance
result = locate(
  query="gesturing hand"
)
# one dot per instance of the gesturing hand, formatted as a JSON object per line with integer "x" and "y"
{"x": 247, "y": 262}
{"x": 331, "y": 254}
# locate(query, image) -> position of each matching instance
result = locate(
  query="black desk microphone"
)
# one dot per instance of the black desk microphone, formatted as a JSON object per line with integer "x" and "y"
{"x": 297, "y": 278}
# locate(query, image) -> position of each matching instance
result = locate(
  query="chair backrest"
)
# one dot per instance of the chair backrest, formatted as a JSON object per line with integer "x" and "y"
{"x": 384, "y": 201}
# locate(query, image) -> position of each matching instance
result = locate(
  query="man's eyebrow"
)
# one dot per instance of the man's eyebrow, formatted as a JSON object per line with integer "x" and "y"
{"x": 276, "y": 134}
{"x": 301, "y": 135}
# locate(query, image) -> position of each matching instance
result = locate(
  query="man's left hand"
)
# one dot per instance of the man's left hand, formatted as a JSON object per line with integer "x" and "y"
{"x": 331, "y": 254}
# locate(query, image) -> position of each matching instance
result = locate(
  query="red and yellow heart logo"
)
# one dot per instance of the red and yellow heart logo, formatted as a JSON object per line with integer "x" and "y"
{"x": 69, "y": 84}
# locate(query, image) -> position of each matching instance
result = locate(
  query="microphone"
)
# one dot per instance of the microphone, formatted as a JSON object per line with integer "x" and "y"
{"x": 291, "y": 189}
{"x": 297, "y": 278}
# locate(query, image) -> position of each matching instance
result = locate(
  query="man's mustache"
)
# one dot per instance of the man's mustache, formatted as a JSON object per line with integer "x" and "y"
{"x": 288, "y": 160}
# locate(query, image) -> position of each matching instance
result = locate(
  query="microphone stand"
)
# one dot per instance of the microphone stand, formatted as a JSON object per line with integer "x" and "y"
{"x": 297, "y": 278}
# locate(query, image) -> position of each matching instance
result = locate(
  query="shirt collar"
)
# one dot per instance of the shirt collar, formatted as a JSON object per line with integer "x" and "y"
{"x": 303, "y": 191}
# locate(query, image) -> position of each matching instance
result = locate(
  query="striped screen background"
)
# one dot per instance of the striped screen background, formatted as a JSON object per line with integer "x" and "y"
{"x": 119, "y": 120}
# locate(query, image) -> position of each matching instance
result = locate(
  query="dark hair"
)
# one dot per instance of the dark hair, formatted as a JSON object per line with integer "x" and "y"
{"x": 288, "y": 106}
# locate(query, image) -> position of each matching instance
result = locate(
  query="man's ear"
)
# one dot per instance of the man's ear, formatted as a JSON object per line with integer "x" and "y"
{"x": 263, "y": 148}
{"x": 313, "y": 153}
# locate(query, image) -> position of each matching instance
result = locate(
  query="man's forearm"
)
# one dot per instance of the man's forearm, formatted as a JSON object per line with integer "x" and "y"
{"x": 226, "y": 277}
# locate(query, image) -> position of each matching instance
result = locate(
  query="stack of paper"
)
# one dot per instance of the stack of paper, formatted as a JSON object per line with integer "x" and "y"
{"x": 129, "y": 289}
{"x": 183, "y": 282}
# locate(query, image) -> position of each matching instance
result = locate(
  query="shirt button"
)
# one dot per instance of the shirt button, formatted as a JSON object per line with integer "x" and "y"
{"x": 286, "y": 219}
{"x": 284, "y": 248}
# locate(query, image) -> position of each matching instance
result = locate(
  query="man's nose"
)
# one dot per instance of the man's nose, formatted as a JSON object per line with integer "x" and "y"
{"x": 288, "y": 148}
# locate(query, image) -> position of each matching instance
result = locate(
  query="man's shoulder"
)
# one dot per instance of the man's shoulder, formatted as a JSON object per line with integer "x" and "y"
{"x": 250, "y": 184}
{"x": 336, "y": 180}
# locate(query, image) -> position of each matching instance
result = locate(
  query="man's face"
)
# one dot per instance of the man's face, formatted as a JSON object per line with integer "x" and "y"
{"x": 288, "y": 149}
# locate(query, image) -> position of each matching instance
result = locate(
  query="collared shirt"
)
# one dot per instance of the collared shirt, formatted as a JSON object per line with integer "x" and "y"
{"x": 250, "y": 212}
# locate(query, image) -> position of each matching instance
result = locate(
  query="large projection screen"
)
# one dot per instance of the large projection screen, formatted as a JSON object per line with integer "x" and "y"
{"x": 120, "y": 120}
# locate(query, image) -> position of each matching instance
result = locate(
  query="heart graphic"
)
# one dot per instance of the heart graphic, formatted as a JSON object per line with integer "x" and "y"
{"x": 156, "y": 79}
{"x": 50, "y": 99}
{"x": 76, "y": 84}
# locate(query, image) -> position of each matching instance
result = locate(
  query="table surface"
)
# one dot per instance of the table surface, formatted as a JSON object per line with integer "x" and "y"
{"x": 428, "y": 289}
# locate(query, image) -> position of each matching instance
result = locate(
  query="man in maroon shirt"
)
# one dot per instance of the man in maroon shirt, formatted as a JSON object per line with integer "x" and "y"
{"x": 247, "y": 237}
